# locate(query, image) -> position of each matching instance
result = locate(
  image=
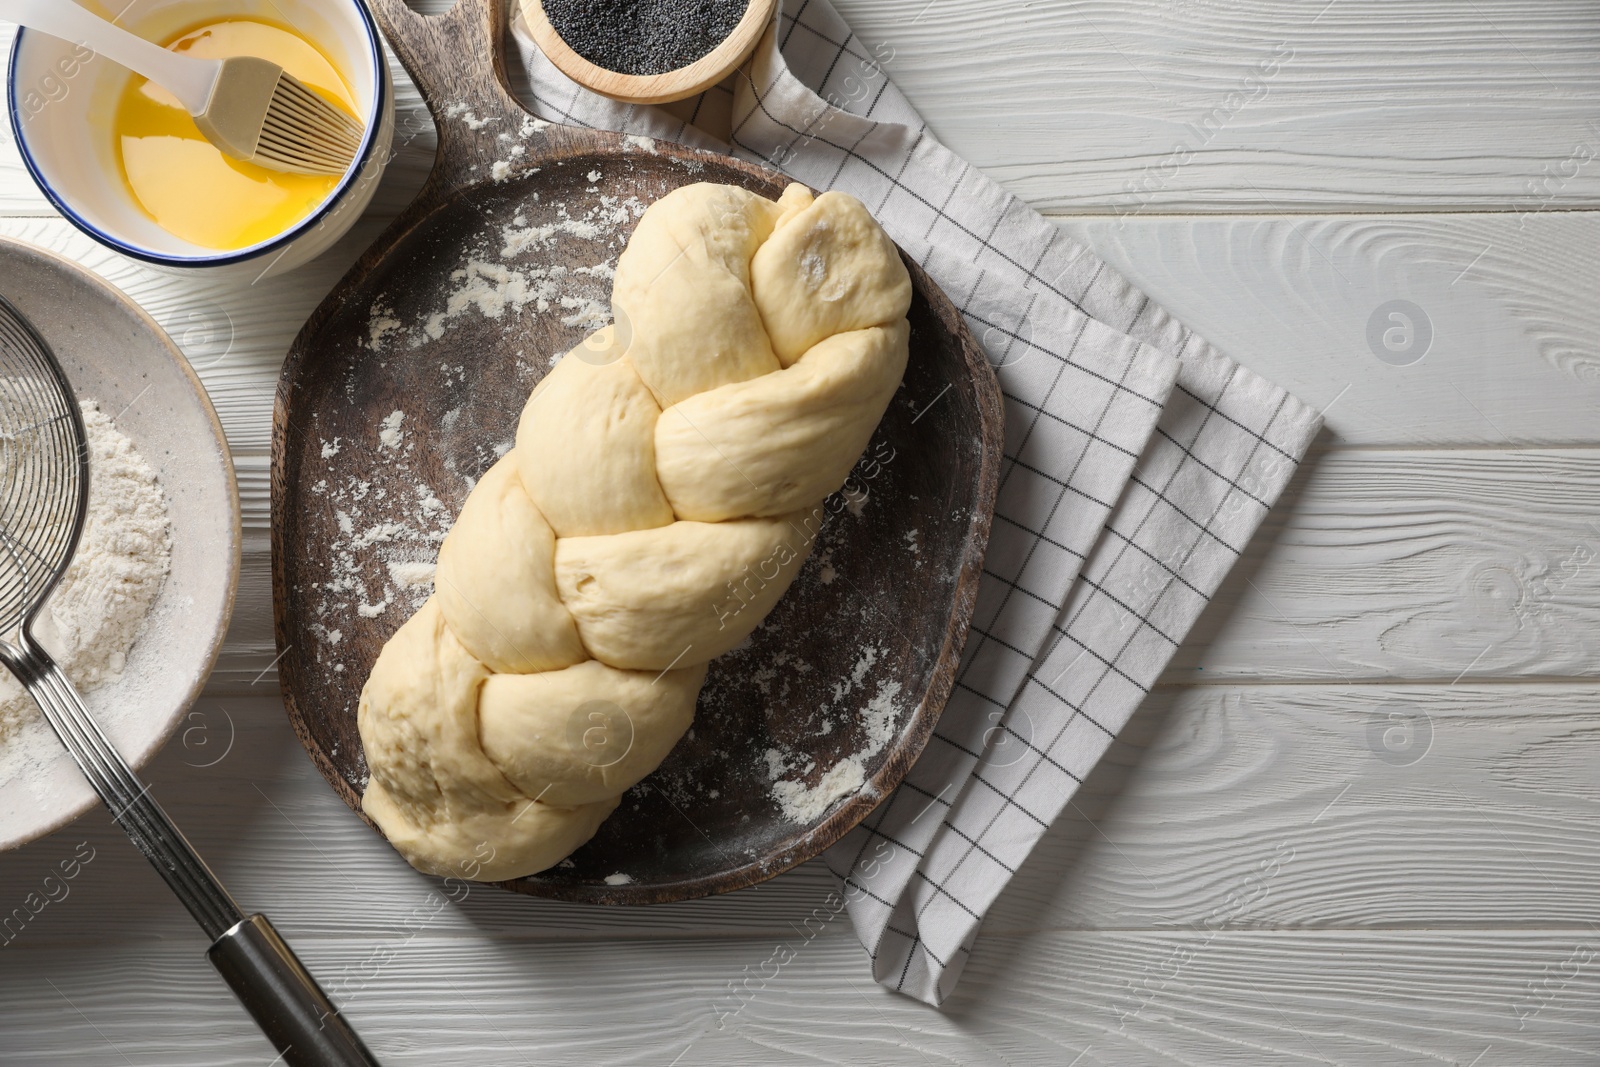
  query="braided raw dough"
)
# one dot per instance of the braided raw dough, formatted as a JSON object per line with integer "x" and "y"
{"x": 665, "y": 488}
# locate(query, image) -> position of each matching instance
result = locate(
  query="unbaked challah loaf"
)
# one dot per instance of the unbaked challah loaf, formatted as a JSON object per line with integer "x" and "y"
{"x": 665, "y": 489}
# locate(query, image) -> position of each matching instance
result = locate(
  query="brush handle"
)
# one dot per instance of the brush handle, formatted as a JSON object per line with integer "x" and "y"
{"x": 185, "y": 77}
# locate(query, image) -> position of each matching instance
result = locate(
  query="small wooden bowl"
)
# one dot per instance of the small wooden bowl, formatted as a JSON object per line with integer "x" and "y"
{"x": 697, "y": 77}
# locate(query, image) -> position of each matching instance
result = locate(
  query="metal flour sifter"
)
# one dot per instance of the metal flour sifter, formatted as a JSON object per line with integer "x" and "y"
{"x": 44, "y": 495}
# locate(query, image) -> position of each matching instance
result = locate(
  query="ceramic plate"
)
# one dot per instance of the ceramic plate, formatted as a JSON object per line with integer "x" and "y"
{"x": 116, "y": 354}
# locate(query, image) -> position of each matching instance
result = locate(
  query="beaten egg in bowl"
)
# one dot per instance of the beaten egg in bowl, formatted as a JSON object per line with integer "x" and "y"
{"x": 187, "y": 185}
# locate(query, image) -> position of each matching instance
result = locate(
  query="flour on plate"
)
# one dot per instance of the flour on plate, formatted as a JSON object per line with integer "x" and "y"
{"x": 384, "y": 558}
{"x": 97, "y": 613}
{"x": 806, "y": 804}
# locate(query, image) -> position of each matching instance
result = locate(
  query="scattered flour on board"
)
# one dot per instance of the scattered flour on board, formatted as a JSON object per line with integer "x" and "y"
{"x": 386, "y": 550}
{"x": 502, "y": 167}
{"x": 492, "y": 288}
{"x": 619, "y": 879}
{"x": 385, "y": 553}
{"x": 473, "y": 122}
{"x": 806, "y": 804}
{"x": 497, "y": 277}
{"x": 855, "y": 500}
{"x": 408, "y": 574}
{"x": 380, "y": 323}
{"x": 803, "y": 805}
{"x": 98, "y": 611}
{"x": 389, "y": 435}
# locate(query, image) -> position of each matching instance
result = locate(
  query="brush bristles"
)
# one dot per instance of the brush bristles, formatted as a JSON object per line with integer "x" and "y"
{"x": 305, "y": 133}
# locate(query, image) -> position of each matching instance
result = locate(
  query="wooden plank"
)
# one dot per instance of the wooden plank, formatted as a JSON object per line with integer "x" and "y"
{"x": 1497, "y": 346}
{"x": 1431, "y": 566}
{"x": 1377, "y": 564}
{"x": 1373, "y": 1000}
{"x": 1222, "y": 822}
{"x": 1315, "y": 807}
{"x": 1133, "y": 106}
{"x": 1219, "y": 808}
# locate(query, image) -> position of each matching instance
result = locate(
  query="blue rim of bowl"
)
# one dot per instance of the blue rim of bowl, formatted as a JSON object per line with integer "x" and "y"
{"x": 306, "y": 225}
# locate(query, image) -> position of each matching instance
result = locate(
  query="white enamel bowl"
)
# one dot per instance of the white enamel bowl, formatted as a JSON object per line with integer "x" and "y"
{"x": 114, "y": 353}
{"x": 61, "y": 97}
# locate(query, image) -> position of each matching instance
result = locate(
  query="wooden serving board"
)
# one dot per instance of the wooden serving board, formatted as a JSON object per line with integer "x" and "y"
{"x": 405, "y": 386}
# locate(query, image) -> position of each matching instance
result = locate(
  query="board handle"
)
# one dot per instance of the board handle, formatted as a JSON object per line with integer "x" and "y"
{"x": 458, "y": 62}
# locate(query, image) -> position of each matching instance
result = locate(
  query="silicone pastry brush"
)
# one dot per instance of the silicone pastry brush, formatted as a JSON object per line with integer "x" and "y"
{"x": 249, "y": 108}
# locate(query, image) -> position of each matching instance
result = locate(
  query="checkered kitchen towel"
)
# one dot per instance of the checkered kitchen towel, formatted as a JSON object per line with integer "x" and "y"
{"x": 1139, "y": 460}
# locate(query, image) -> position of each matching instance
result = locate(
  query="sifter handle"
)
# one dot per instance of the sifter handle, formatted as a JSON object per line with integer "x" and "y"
{"x": 283, "y": 998}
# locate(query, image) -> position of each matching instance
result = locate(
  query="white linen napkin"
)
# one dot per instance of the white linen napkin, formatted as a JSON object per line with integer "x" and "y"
{"x": 1139, "y": 460}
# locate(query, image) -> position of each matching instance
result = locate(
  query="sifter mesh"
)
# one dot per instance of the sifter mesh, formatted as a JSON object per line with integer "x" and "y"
{"x": 44, "y": 470}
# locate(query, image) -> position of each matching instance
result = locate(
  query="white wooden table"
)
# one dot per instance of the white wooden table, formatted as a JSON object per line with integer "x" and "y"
{"x": 1357, "y": 824}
